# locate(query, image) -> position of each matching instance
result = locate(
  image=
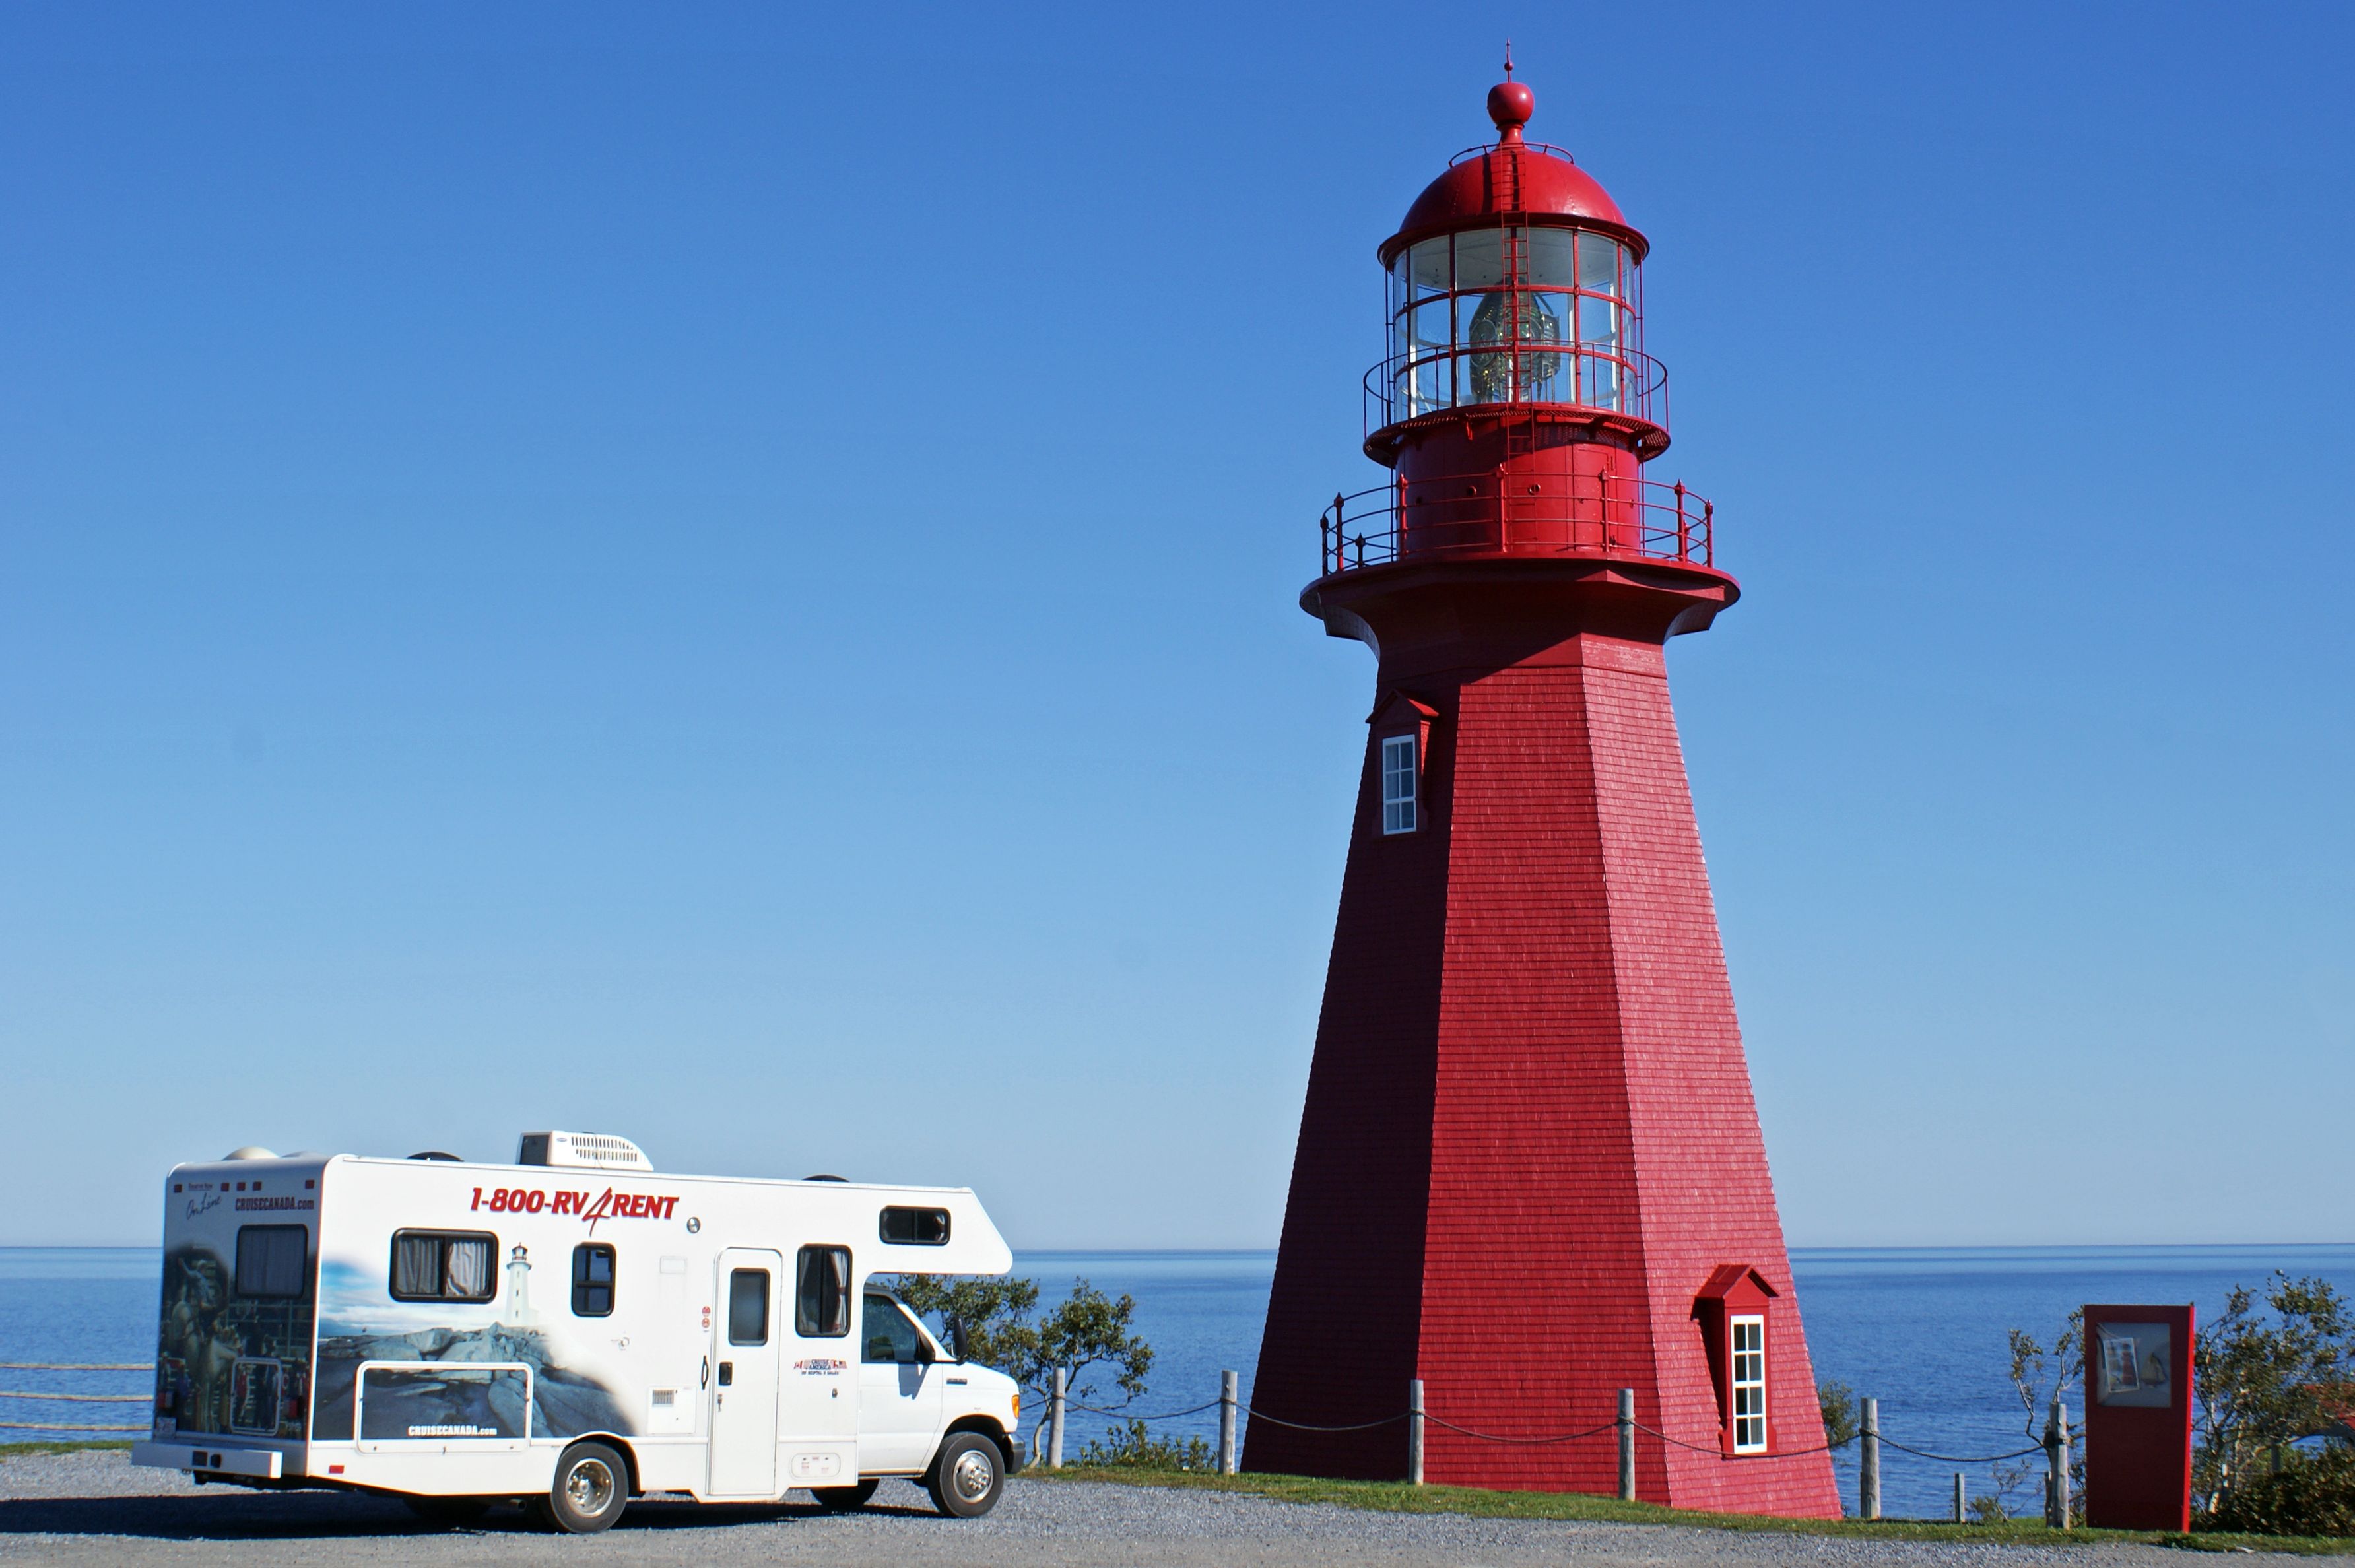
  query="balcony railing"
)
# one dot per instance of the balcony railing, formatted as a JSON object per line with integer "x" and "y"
{"x": 1495, "y": 514}
{"x": 1435, "y": 380}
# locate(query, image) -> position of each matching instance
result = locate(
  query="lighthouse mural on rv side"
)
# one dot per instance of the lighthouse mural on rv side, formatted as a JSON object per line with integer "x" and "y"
{"x": 1529, "y": 1171}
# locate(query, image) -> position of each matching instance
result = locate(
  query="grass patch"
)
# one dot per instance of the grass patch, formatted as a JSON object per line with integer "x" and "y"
{"x": 1397, "y": 1497}
{"x": 12, "y": 1450}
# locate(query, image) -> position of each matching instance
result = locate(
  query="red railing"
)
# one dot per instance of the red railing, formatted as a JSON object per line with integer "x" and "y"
{"x": 1493, "y": 514}
{"x": 1516, "y": 375}
{"x": 1485, "y": 148}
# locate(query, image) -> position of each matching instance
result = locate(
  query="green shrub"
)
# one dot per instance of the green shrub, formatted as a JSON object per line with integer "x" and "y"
{"x": 1134, "y": 1448}
{"x": 2312, "y": 1494}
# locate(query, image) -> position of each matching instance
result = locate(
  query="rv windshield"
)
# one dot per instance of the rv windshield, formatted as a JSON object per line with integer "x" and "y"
{"x": 890, "y": 1337}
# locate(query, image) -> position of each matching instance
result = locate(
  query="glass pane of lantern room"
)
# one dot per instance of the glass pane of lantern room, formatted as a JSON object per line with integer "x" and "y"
{"x": 1547, "y": 377}
{"x": 1598, "y": 264}
{"x": 1598, "y": 320}
{"x": 1427, "y": 268}
{"x": 1427, "y": 341}
{"x": 1603, "y": 379}
{"x": 1550, "y": 258}
{"x": 1480, "y": 258}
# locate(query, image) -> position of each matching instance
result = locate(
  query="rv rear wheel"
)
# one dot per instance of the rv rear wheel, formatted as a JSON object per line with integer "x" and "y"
{"x": 968, "y": 1476}
{"x": 838, "y": 1498}
{"x": 592, "y": 1486}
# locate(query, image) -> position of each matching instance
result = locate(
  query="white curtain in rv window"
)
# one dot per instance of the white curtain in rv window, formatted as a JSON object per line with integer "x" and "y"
{"x": 270, "y": 1261}
{"x": 470, "y": 1270}
{"x": 416, "y": 1265}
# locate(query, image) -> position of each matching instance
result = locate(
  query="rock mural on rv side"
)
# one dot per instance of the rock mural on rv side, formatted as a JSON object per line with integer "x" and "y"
{"x": 457, "y": 1351}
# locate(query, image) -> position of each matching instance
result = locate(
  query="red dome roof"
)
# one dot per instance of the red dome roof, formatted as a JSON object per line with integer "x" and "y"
{"x": 1513, "y": 175}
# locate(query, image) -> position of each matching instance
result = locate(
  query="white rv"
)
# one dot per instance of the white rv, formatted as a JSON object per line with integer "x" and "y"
{"x": 571, "y": 1331}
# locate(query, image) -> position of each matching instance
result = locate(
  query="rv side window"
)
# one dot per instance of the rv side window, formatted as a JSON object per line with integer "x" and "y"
{"x": 593, "y": 1280}
{"x": 443, "y": 1265}
{"x": 748, "y": 1306}
{"x": 822, "y": 1293}
{"x": 270, "y": 1261}
{"x": 915, "y": 1227}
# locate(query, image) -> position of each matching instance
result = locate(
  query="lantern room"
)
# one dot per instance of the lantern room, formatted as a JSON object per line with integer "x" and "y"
{"x": 1516, "y": 315}
{"x": 1516, "y": 281}
{"x": 1515, "y": 404}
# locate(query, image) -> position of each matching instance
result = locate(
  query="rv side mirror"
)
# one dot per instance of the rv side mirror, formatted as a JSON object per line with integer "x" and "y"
{"x": 956, "y": 1338}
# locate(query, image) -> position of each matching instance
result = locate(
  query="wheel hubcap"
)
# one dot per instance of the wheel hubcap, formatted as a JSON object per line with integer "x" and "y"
{"x": 588, "y": 1486}
{"x": 972, "y": 1474}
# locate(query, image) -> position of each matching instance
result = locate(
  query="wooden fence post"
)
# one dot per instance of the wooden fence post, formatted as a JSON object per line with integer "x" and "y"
{"x": 1055, "y": 1420}
{"x": 1415, "y": 1432}
{"x": 2056, "y": 1461}
{"x": 1226, "y": 1402}
{"x": 1626, "y": 1446}
{"x": 1868, "y": 1469}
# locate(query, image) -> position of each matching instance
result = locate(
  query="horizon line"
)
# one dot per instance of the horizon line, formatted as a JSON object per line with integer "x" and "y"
{"x": 1271, "y": 1251}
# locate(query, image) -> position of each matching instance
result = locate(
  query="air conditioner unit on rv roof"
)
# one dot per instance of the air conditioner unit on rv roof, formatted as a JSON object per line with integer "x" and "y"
{"x": 595, "y": 1151}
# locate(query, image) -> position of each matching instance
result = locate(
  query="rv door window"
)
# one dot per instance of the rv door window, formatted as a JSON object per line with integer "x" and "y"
{"x": 443, "y": 1265}
{"x": 593, "y": 1280}
{"x": 270, "y": 1261}
{"x": 822, "y": 1293}
{"x": 748, "y": 1306}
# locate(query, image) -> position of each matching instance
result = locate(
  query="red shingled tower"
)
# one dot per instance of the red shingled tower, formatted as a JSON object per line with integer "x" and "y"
{"x": 1530, "y": 1168}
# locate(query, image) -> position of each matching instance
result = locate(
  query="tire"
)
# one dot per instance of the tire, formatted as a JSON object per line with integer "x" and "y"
{"x": 968, "y": 1476}
{"x": 592, "y": 1488}
{"x": 449, "y": 1513}
{"x": 842, "y": 1499}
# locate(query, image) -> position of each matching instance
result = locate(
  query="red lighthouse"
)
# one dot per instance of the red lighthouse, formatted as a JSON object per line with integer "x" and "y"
{"x": 1529, "y": 1169}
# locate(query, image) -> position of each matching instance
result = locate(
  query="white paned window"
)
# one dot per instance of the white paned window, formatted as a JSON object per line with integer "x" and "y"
{"x": 1398, "y": 784}
{"x": 1749, "y": 1385}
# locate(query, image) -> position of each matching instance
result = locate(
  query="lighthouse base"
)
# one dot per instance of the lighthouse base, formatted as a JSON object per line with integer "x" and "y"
{"x": 1529, "y": 1171}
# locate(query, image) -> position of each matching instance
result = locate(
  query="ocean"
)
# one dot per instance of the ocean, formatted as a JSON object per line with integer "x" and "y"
{"x": 1923, "y": 1329}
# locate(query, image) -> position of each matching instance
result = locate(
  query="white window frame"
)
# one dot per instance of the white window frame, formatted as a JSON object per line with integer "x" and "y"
{"x": 1746, "y": 1382}
{"x": 1401, "y": 804}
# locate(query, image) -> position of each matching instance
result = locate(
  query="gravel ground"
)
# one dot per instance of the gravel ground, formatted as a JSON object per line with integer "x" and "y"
{"x": 94, "y": 1508}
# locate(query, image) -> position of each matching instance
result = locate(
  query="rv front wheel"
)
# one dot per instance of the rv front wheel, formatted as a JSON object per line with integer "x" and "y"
{"x": 592, "y": 1486}
{"x": 967, "y": 1477}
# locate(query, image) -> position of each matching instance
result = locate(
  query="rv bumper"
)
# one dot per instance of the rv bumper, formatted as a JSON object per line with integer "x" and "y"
{"x": 208, "y": 1459}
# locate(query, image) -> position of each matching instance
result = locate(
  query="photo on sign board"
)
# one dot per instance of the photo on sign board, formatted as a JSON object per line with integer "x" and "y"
{"x": 2133, "y": 1365}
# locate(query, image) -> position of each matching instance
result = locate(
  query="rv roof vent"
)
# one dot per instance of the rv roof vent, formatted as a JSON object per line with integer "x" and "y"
{"x": 437, "y": 1154}
{"x": 250, "y": 1151}
{"x": 596, "y": 1151}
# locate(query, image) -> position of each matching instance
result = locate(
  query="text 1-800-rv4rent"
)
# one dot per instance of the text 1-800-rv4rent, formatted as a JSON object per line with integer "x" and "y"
{"x": 571, "y": 1330}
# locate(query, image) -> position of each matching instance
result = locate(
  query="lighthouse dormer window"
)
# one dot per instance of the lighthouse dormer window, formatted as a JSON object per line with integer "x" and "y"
{"x": 1749, "y": 1385}
{"x": 1514, "y": 314}
{"x": 1398, "y": 785}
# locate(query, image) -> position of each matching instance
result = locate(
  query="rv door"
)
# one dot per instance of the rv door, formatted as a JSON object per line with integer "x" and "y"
{"x": 819, "y": 1422}
{"x": 744, "y": 1374}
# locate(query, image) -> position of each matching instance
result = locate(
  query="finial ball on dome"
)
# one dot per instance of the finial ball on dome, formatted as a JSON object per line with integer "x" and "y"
{"x": 1510, "y": 104}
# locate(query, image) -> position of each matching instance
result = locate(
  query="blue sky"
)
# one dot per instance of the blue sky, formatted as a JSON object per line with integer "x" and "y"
{"x": 729, "y": 576}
